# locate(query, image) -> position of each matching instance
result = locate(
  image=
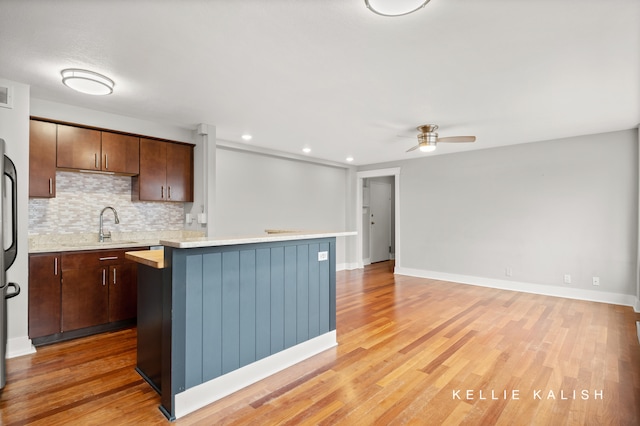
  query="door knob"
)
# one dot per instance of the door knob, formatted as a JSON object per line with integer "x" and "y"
{"x": 373, "y": 223}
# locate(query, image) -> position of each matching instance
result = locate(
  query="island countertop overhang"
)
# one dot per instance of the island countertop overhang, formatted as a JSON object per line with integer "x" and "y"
{"x": 228, "y": 241}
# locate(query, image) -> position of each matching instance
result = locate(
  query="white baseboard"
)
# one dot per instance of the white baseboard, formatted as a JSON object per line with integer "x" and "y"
{"x": 547, "y": 290}
{"x": 636, "y": 307}
{"x": 347, "y": 266}
{"x": 19, "y": 346}
{"x": 366, "y": 261}
{"x": 199, "y": 396}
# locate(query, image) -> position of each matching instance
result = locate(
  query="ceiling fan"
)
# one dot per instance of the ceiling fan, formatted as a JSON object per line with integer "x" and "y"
{"x": 428, "y": 138}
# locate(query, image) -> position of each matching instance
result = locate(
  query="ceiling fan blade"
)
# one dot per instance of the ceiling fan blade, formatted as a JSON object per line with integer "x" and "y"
{"x": 457, "y": 139}
{"x": 414, "y": 148}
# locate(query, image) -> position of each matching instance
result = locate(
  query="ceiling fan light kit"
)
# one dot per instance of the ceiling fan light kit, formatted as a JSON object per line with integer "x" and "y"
{"x": 395, "y": 7}
{"x": 427, "y": 147}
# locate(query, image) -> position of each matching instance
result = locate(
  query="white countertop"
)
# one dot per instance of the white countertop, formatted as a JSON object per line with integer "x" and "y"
{"x": 121, "y": 240}
{"x": 228, "y": 241}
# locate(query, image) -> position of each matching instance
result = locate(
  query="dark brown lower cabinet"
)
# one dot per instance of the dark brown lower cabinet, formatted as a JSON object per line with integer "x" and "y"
{"x": 80, "y": 293}
{"x": 84, "y": 298}
{"x": 44, "y": 294}
{"x": 123, "y": 282}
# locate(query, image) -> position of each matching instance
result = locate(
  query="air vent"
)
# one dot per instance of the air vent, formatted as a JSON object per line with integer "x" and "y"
{"x": 6, "y": 97}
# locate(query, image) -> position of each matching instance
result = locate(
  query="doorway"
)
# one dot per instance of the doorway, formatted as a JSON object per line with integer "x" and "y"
{"x": 363, "y": 219}
{"x": 380, "y": 247}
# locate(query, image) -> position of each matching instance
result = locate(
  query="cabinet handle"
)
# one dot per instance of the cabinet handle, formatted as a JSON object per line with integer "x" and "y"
{"x": 169, "y": 192}
{"x": 106, "y": 161}
{"x": 109, "y": 258}
{"x": 50, "y": 186}
{"x": 114, "y": 276}
{"x": 55, "y": 266}
{"x": 104, "y": 276}
{"x": 162, "y": 191}
{"x": 95, "y": 159}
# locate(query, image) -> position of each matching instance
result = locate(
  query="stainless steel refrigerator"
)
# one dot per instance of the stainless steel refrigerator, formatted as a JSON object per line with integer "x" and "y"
{"x": 8, "y": 188}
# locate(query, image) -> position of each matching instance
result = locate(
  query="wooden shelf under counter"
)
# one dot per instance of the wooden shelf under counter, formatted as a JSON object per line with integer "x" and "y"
{"x": 153, "y": 258}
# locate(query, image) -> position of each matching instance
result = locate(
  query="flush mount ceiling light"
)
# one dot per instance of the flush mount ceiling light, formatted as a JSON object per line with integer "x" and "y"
{"x": 88, "y": 82}
{"x": 395, "y": 7}
{"x": 247, "y": 137}
{"x": 306, "y": 150}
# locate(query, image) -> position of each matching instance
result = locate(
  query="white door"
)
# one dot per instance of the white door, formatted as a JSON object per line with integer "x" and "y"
{"x": 380, "y": 220}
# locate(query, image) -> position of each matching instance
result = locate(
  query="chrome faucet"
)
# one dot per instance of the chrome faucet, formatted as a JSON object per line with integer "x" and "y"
{"x": 101, "y": 234}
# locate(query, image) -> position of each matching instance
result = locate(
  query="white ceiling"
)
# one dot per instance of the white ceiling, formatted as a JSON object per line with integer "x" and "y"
{"x": 336, "y": 77}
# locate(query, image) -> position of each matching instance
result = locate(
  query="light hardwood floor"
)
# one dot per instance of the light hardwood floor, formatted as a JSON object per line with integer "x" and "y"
{"x": 411, "y": 351}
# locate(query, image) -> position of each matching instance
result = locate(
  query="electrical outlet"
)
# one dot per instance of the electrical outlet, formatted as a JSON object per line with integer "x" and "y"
{"x": 508, "y": 272}
{"x": 323, "y": 255}
{"x": 596, "y": 280}
{"x": 567, "y": 278}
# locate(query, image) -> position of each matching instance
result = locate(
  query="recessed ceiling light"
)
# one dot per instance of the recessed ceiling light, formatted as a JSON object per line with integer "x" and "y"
{"x": 88, "y": 82}
{"x": 395, "y": 7}
{"x": 247, "y": 137}
{"x": 349, "y": 158}
{"x": 306, "y": 150}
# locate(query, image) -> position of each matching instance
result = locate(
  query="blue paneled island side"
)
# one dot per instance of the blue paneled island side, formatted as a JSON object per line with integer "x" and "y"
{"x": 229, "y": 312}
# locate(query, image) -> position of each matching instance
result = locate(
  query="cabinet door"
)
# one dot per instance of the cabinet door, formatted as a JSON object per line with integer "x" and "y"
{"x": 44, "y": 295}
{"x": 123, "y": 283}
{"x": 179, "y": 172}
{"x": 84, "y": 298}
{"x": 153, "y": 170}
{"x": 42, "y": 159}
{"x": 78, "y": 148}
{"x": 120, "y": 153}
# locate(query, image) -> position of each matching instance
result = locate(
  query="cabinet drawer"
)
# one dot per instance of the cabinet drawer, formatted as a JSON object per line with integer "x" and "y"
{"x": 95, "y": 258}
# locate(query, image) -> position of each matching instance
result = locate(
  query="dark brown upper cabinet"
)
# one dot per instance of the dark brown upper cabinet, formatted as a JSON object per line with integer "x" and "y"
{"x": 165, "y": 168}
{"x": 120, "y": 153}
{"x": 78, "y": 148}
{"x": 166, "y": 172}
{"x": 88, "y": 149}
{"x": 42, "y": 159}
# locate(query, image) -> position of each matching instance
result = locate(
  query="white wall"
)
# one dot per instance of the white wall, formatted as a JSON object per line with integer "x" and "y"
{"x": 542, "y": 209}
{"x": 204, "y": 178}
{"x": 14, "y": 129}
{"x": 255, "y": 192}
{"x": 637, "y": 305}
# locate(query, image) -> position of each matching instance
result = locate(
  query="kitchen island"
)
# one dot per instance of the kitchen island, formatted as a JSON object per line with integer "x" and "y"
{"x": 229, "y": 312}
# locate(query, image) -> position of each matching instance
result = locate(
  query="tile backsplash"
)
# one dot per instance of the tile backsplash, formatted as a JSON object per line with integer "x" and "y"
{"x": 81, "y": 196}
